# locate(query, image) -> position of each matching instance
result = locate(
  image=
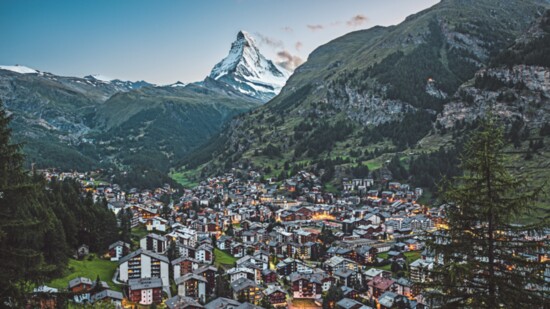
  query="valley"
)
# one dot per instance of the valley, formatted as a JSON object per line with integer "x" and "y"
{"x": 400, "y": 166}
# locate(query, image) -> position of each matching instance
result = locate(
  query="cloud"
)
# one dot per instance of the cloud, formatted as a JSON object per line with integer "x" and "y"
{"x": 288, "y": 61}
{"x": 287, "y": 29}
{"x": 298, "y": 45}
{"x": 315, "y": 27}
{"x": 357, "y": 20}
{"x": 269, "y": 41}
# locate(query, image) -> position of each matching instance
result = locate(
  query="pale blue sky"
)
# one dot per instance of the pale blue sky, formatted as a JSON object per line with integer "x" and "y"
{"x": 167, "y": 40}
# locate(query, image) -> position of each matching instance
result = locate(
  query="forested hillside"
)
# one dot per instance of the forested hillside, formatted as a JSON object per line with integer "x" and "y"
{"x": 42, "y": 224}
{"x": 396, "y": 99}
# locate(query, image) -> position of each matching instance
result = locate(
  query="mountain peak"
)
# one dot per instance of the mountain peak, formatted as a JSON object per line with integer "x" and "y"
{"x": 248, "y": 71}
{"x": 98, "y": 77}
{"x": 243, "y": 35}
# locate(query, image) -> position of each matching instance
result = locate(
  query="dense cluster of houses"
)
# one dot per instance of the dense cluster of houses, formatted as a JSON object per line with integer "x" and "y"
{"x": 285, "y": 241}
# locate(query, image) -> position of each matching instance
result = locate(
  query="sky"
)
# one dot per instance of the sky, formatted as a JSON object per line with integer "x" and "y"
{"x": 165, "y": 41}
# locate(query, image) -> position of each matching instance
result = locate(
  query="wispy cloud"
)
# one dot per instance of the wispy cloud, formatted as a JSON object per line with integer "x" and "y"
{"x": 357, "y": 20}
{"x": 269, "y": 41}
{"x": 287, "y": 29}
{"x": 299, "y": 45}
{"x": 288, "y": 60}
{"x": 316, "y": 27}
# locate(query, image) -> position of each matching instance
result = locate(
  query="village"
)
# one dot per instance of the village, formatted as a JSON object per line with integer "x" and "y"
{"x": 251, "y": 242}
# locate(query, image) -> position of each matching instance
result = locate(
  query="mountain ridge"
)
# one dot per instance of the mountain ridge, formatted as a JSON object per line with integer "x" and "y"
{"x": 87, "y": 122}
{"x": 386, "y": 84}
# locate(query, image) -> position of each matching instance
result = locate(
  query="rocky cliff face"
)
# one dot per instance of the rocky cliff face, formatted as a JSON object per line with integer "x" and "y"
{"x": 523, "y": 92}
{"x": 366, "y": 108}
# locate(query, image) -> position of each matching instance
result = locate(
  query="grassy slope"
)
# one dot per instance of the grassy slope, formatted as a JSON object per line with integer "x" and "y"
{"x": 222, "y": 258}
{"x": 89, "y": 269}
{"x": 185, "y": 178}
{"x": 410, "y": 256}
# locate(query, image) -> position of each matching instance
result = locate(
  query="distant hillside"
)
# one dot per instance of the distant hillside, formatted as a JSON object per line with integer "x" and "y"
{"x": 154, "y": 127}
{"x": 52, "y": 114}
{"x": 86, "y": 123}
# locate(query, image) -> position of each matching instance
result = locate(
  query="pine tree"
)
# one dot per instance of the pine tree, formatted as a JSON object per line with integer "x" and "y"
{"x": 334, "y": 294}
{"x": 229, "y": 231}
{"x": 124, "y": 217}
{"x": 265, "y": 303}
{"x": 482, "y": 257}
{"x": 23, "y": 223}
{"x": 172, "y": 253}
{"x": 223, "y": 288}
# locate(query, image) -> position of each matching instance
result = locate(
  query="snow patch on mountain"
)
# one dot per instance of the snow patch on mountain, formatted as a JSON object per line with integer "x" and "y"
{"x": 18, "y": 69}
{"x": 178, "y": 84}
{"x": 99, "y": 77}
{"x": 246, "y": 70}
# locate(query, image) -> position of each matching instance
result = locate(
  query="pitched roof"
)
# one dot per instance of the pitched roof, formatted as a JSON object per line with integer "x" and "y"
{"x": 249, "y": 306}
{"x": 144, "y": 283}
{"x": 157, "y": 256}
{"x": 236, "y": 270}
{"x": 387, "y": 299}
{"x": 190, "y": 276}
{"x": 222, "y": 303}
{"x": 272, "y": 289}
{"x": 181, "y": 302}
{"x": 205, "y": 268}
{"x": 373, "y": 272}
{"x": 348, "y": 303}
{"x": 241, "y": 284}
{"x": 344, "y": 273}
{"x": 106, "y": 294}
{"x": 335, "y": 260}
{"x": 156, "y": 236}
{"x": 80, "y": 280}
{"x": 315, "y": 277}
{"x": 119, "y": 243}
{"x": 381, "y": 283}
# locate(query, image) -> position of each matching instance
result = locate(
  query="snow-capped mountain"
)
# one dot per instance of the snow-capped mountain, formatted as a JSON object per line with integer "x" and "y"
{"x": 121, "y": 85}
{"x": 246, "y": 70}
{"x": 97, "y": 80}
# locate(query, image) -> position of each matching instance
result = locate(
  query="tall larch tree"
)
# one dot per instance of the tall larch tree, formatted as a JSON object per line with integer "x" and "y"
{"x": 484, "y": 256}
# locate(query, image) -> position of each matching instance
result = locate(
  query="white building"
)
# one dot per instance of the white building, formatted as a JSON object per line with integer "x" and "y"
{"x": 157, "y": 224}
{"x": 144, "y": 264}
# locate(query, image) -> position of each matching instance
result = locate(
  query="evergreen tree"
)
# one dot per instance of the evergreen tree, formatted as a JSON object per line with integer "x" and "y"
{"x": 266, "y": 303}
{"x": 24, "y": 223}
{"x": 229, "y": 231}
{"x": 214, "y": 241}
{"x": 172, "y": 253}
{"x": 125, "y": 218}
{"x": 334, "y": 294}
{"x": 223, "y": 289}
{"x": 482, "y": 257}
